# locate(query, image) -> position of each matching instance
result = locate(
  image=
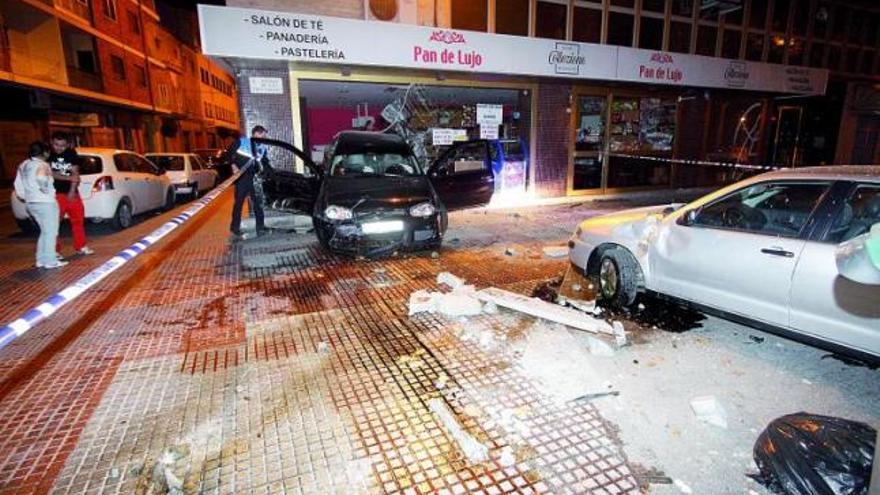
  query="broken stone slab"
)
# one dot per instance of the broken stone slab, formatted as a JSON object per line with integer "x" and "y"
{"x": 474, "y": 451}
{"x": 555, "y": 251}
{"x": 422, "y": 301}
{"x": 450, "y": 280}
{"x": 460, "y": 302}
{"x": 709, "y": 410}
{"x": 599, "y": 347}
{"x": 542, "y": 309}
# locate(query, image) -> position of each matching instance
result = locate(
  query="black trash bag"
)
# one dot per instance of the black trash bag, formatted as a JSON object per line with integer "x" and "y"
{"x": 808, "y": 454}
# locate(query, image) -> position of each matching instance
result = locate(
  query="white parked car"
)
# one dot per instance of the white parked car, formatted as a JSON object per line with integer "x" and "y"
{"x": 761, "y": 251}
{"x": 115, "y": 185}
{"x": 187, "y": 171}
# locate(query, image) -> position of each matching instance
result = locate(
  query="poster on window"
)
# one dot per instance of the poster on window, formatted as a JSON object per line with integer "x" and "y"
{"x": 488, "y": 114}
{"x": 489, "y": 131}
{"x": 445, "y": 137}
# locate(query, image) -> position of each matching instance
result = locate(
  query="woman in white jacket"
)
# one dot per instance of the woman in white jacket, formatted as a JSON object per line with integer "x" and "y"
{"x": 34, "y": 185}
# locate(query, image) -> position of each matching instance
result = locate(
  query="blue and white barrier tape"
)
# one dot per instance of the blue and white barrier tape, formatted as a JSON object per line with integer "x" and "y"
{"x": 696, "y": 162}
{"x": 54, "y": 302}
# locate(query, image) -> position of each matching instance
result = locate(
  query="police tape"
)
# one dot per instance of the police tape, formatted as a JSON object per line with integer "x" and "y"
{"x": 697, "y": 162}
{"x": 54, "y": 302}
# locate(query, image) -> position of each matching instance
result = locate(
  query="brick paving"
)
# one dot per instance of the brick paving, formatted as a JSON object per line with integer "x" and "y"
{"x": 269, "y": 366}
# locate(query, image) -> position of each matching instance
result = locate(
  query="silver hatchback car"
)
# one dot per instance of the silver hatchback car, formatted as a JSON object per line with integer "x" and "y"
{"x": 761, "y": 250}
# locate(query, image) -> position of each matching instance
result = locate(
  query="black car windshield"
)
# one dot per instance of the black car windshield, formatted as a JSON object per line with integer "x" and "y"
{"x": 167, "y": 162}
{"x": 373, "y": 164}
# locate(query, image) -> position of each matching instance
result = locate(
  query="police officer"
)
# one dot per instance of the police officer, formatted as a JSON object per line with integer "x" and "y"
{"x": 248, "y": 156}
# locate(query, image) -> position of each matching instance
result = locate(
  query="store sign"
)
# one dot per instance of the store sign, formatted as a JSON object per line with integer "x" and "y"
{"x": 445, "y": 137}
{"x": 259, "y": 34}
{"x": 266, "y": 85}
{"x": 490, "y": 114}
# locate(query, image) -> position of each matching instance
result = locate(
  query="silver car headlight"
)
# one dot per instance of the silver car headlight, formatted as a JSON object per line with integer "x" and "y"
{"x": 425, "y": 209}
{"x": 334, "y": 212}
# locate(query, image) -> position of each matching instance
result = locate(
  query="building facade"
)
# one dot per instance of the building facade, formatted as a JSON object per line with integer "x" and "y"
{"x": 606, "y": 95}
{"x": 109, "y": 73}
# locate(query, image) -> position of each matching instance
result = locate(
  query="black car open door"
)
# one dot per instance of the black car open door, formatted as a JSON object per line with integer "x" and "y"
{"x": 462, "y": 176}
{"x": 285, "y": 187}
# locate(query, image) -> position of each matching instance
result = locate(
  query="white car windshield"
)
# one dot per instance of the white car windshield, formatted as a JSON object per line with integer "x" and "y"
{"x": 168, "y": 162}
{"x": 374, "y": 164}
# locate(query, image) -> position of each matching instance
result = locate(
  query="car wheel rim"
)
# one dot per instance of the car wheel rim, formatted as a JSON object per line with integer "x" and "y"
{"x": 608, "y": 278}
{"x": 125, "y": 216}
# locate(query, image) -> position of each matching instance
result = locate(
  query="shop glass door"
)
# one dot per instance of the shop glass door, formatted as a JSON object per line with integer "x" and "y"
{"x": 589, "y": 143}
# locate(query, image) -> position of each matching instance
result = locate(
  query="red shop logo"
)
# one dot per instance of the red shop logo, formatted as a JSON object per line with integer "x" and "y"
{"x": 448, "y": 37}
{"x": 661, "y": 58}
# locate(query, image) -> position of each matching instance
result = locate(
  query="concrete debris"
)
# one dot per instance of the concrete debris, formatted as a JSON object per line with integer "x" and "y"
{"x": 576, "y": 287}
{"x": 597, "y": 395}
{"x": 490, "y": 308}
{"x": 709, "y": 410}
{"x": 435, "y": 255}
{"x": 580, "y": 305}
{"x": 542, "y": 309}
{"x": 114, "y": 473}
{"x": 682, "y": 487}
{"x": 474, "y": 451}
{"x": 555, "y": 251}
{"x": 507, "y": 457}
{"x": 619, "y": 333}
{"x": 449, "y": 280}
{"x": 509, "y": 252}
{"x": 458, "y": 304}
{"x": 323, "y": 347}
{"x": 422, "y": 301}
{"x": 599, "y": 347}
{"x": 440, "y": 383}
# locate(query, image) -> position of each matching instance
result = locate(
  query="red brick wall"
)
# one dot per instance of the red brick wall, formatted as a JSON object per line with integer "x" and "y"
{"x": 107, "y": 25}
{"x": 552, "y": 146}
{"x": 112, "y": 85}
{"x": 129, "y": 36}
{"x": 138, "y": 93}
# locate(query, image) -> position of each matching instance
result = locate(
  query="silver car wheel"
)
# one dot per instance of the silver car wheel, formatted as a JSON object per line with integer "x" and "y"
{"x": 608, "y": 278}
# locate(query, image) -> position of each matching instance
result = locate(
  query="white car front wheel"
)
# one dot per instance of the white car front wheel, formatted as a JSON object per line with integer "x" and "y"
{"x": 619, "y": 274}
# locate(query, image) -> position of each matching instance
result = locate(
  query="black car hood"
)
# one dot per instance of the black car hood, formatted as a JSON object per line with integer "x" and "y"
{"x": 371, "y": 192}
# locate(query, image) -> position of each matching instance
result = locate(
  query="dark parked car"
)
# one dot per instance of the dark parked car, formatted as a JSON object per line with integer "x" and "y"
{"x": 372, "y": 196}
{"x": 214, "y": 158}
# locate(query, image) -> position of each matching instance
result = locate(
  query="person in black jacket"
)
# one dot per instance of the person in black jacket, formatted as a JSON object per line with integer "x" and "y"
{"x": 249, "y": 157}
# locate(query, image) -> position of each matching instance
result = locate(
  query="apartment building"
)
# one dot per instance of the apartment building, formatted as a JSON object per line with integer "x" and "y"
{"x": 109, "y": 73}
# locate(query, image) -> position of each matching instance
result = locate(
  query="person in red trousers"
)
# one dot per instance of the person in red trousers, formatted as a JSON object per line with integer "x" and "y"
{"x": 65, "y": 169}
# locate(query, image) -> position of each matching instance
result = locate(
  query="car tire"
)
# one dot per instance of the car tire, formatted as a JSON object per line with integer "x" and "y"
{"x": 322, "y": 237}
{"x": 618, "y": 275}
{"x": 169, "y": 200}
{"x": 123, "y": 217}
{"x": 195, "y": 191}
{"x": 27, "y": 225}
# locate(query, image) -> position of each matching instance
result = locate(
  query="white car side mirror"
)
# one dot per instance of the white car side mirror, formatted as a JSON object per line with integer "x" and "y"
{"x": 858, "y": 259}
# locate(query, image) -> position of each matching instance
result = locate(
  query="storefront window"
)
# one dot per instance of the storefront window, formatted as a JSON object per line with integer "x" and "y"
{"x": 684, "y": 8}
{"x": 734, "y": 125}
{"x": 706, "y": 39}
{"x": 512, "y": 17}
{"x": 587, "y": 26}
{"x": 868, "y": 61}
{"x": 730, "y": 44}
{"x": 589, "y": 143}
{"x": 620, "y": 29}
{"x": 734, "y": 17}
{"x": 590, "y": 124}
{"x": 754, "y": 46}
{"x": 780, "y": 15}
{"x": 817, "y": 54}
{"x": 640, "y": 128}
{"x": 820, "y": 20}
{"x": 839, "y": 23}
{"x": 776, "y": 50}
{"x": 470, "y": 14}
{"x": 796, "y": 51}
{"x": 654, "y": 5}
{"x": 758, "y": 15}
{"x": 551, "y": 19}
{"x": 679, "y": 37}
{"x": 801, "y": 18}
{"x": 651, "y": 33}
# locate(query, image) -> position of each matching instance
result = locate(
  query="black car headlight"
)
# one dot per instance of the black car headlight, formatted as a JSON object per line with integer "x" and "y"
{"x": 334, "y": 212}
{"x": 422, "y": 210}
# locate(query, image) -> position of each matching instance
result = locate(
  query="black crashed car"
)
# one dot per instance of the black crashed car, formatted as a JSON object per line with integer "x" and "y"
{"x": 371, "y": 195}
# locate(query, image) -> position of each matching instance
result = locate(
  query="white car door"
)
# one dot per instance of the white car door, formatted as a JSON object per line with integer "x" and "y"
{"x": 132, "y": 183}
{"x": 154, "y": 186}
{"x": 198, "y": 172}
{"x": 738, "y": 253}
{"x": 826, "y": 304}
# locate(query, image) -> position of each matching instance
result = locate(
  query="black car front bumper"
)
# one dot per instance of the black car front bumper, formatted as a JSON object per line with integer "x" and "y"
{"x": 348, "y": 237}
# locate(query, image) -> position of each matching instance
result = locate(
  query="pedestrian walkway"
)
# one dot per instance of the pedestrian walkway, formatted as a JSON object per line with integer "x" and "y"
{"x": 269, "y": 366}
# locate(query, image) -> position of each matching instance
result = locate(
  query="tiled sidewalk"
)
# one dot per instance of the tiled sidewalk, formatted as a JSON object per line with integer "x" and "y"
{"x": 269, "y": 366}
